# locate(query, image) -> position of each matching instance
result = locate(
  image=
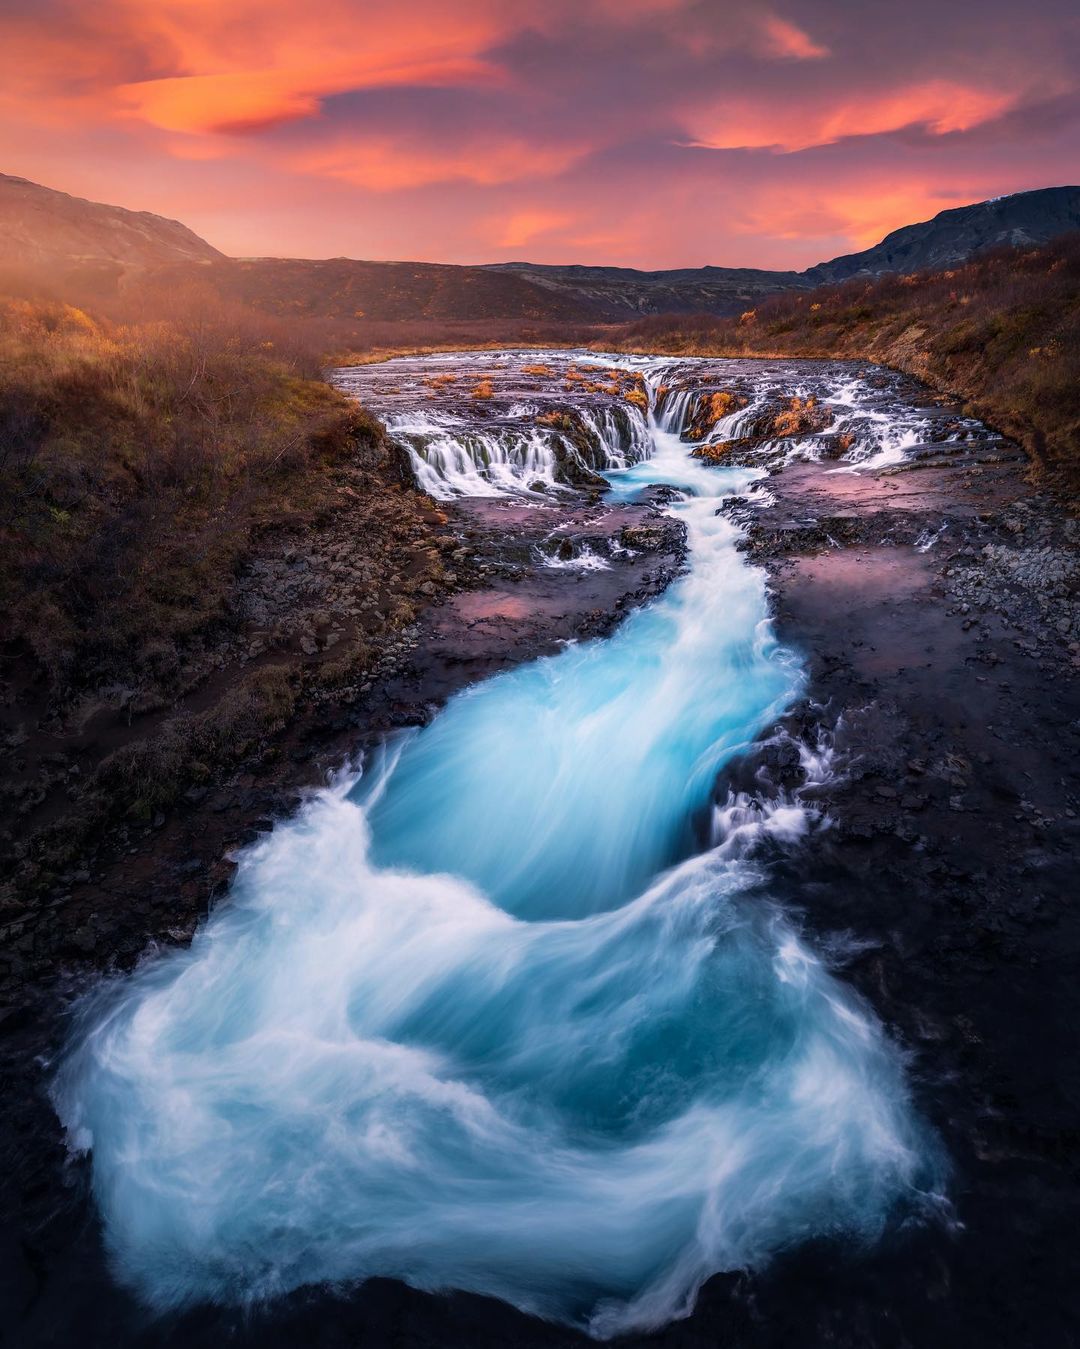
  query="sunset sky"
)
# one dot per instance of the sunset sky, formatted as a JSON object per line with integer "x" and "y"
{"x": 652, "y": 133}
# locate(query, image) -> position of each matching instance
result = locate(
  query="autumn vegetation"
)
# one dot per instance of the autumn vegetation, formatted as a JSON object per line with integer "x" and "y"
{"x": 1001, "y": 333}
{"x": 711, "y": 409}
{"x": 135, "y": 459}
{"x": 148, "y": 443}
{"x": 142, "y": 460}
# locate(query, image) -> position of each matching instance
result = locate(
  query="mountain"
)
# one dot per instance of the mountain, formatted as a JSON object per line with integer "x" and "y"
{"x": 68, "y": 240}
{"x": 1025, "y": 218}
{"x": 622, "y": 292}
{"x": 87, "y": 248}
{"x": 342, "y": 288}
{"x": 46, "y": 231}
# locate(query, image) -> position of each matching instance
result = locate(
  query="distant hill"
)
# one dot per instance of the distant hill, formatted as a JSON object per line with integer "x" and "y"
{"x": 69, "y": 240}
{"x": 51, "y": 231}
{"x": 620, "y": 293}
{"x": 94, "y": 249}
{"x": 950, "y": 238}
{"x": 1025, "y": 218}
{"x": 341, "y": 288}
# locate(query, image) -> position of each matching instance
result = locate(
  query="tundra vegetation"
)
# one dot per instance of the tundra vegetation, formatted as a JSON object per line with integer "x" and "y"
{"x": 145, "y": 461}
{"x": 148, "y": 443}
{"x": 1001, "y": 332}
{"x": 135, "y": 459}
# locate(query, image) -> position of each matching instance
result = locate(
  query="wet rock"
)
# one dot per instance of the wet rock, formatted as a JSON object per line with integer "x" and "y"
{"x": 652, "y": 538}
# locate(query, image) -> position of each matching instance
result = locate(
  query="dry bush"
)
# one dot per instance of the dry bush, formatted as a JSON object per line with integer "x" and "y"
{"x": 712, "y": 409}
{"x": 1002, "y": 331}
{"x": 135, "y": 458}
{"x": 800, "y": 417}
{"x": 563, "y": 421}
{"x": 150, "y": 773}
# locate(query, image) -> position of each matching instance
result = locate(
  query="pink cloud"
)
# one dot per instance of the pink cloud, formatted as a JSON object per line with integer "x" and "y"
{"x": 939, "y": 105}
{"x": 642, "y": 131}
{"x": 786, "y": 39}
{"x": 388, "y": 164}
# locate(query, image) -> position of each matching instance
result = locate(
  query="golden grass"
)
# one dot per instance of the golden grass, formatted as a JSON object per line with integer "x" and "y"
{"x": 134, "y": 462}
{"x": 1001, "y": 332}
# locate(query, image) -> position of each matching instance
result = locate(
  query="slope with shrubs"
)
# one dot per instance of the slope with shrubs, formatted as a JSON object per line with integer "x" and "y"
{"x": 143, "y": 463}
{"x": 133, "y": 462}
{"x": 1002, "y": 333}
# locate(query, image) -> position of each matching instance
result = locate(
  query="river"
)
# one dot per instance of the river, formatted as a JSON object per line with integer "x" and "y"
{"x": 508, "y": 1008}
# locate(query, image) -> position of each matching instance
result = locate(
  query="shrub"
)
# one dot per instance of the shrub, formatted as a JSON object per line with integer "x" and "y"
{"x": 970, "y": 330}
{"x": 135, "y": 458}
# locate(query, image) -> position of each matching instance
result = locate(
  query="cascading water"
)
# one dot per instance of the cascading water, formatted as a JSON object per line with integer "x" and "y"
{"x": 459, "y": 445}
{"x": 480, "y": 1019}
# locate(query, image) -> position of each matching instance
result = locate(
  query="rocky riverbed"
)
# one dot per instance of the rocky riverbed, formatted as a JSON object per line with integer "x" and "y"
{"x": 934, "y": 600}
{"x": 488, "y": 583}
{"x": 936, "y": 604}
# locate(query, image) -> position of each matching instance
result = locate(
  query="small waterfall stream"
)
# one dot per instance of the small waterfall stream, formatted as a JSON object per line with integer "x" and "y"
{"x": 484, "y": 1016}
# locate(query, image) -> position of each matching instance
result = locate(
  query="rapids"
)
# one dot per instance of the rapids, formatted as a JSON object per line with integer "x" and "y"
{"x": 507, "y": 1011}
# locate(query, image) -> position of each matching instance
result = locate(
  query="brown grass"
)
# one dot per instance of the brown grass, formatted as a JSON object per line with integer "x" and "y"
{"x": 1002, "y": 333}
{"x": 135, "y": 459}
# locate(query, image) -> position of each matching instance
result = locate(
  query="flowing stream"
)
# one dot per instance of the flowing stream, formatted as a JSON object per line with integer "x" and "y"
{"x": 485, "y": 1016}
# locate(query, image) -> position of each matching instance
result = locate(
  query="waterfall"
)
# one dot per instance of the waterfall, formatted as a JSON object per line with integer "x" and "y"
{"x": 483, "y": 1017}
{"x": 504, "y": 443}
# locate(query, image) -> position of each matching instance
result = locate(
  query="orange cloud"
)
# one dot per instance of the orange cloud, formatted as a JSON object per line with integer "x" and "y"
{"x": 387, "y": 164}
{"x": 524, "y": 226}
{"x": 785, "y": 39}
{"x": 863, "y": 216}
{"x": 251, "y": 100}
{"x": 940, "y": 105}
{"x": 203, "y": 67}
{"x": 284, "y": 66}
{"x": 551, "y": 131}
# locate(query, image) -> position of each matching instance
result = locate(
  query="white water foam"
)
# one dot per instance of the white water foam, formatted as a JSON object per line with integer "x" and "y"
{"x": 480, "y": 1019}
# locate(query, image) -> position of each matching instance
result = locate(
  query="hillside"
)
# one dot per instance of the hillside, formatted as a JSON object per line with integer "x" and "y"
{"x": 52, "y": 232}
{"x": 84, "y": 249}
{"x": 191, "y": 521}
{"x": 1001, "y": 331}
{"x": 618, "y": 292}
{"x": 951, "y": 237}
{"x": 341, "y": 288}
{"x": 1023, "y": 219}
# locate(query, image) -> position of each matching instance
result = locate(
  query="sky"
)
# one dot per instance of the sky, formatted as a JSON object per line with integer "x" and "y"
{"x": 647, "y": 133}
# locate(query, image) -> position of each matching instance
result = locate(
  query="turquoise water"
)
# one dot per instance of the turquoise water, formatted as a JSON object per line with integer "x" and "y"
{"x": 487, "y": 1018}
